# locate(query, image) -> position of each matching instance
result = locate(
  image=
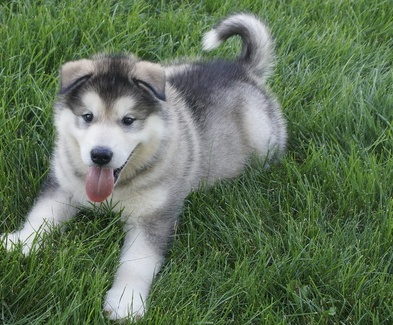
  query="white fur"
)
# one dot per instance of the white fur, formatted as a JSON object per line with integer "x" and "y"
{"x": 164, "y": 157}
{"x": 261, "y": 58}
{"x": 123, "y": 106}
{"x": 148, "y": 201}
{"x": 93, "y": 103}
{"x": 210, "y": 40}
{"x": 138, "y": 266}
{"x": 46, "y": 214}
{"x": 138, "y": 263}
{"x": 259, "y": 130}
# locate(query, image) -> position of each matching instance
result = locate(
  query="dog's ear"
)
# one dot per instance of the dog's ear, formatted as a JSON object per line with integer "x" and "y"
{"x": 75, "y": 73}
{"x": 151, "y": 78}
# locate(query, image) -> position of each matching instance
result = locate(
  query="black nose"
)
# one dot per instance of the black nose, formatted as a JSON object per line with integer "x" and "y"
{"x": 101, "y": 155}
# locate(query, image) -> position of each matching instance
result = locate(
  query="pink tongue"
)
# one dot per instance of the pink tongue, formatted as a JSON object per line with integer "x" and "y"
{"x": 99, "y": 183}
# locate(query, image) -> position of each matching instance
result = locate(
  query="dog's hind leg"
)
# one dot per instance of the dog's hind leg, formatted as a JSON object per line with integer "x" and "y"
{"x": 265, "y": 128}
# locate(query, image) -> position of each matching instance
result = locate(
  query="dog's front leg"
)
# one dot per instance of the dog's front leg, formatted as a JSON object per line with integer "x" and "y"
{"x": 51, "y": 209}
{"x": 140, "y": 261}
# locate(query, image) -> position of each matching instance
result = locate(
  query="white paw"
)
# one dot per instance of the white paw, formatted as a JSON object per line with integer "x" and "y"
{"x": 19, "y": 239}
{"x": 124, "y": 302}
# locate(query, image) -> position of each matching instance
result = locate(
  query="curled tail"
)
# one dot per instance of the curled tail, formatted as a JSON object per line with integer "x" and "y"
{"x": 257, "y": 52}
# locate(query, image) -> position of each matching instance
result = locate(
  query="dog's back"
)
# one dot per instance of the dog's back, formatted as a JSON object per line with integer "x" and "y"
{"x": 234, "y": 114}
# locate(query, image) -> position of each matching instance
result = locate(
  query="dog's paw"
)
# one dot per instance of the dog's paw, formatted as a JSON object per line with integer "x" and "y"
{"x": 124, "y": 303}
{"x": 18, "y": 239}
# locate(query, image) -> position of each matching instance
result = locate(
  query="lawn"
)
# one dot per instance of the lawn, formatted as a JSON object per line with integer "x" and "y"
{"x": 307, "y": 242}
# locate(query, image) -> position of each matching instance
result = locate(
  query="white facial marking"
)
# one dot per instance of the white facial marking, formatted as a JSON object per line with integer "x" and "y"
{"x": 123, "y": 106}
{"x": 93, "y": 102}
{"x": 105, "y": 130}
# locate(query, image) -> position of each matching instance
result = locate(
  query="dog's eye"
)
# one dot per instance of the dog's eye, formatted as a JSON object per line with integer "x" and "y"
{"x": 127, "y": 120}
{"x": 87, "y": 117}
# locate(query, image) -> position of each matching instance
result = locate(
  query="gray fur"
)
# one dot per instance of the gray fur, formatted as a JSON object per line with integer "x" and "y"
{"x": 257, "y": 51}
{"x": 162, "y": 130}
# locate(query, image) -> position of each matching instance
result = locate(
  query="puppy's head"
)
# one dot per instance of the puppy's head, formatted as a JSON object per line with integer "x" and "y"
{"x": 110, "y": 108}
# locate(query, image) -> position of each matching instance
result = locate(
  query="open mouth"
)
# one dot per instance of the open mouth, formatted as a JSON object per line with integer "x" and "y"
{"x": 101, "y": 181}
{"x": 117, "y": 171}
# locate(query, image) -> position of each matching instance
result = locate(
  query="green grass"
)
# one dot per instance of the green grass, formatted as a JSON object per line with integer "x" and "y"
{"x": 308, "y": 242}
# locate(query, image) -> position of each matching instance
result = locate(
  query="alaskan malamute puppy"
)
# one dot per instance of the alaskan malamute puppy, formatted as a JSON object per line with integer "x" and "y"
{"x": 144, "y": 135}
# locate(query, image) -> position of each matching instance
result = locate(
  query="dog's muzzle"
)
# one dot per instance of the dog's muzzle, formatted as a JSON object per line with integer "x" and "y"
{"x": 100, "y": 179}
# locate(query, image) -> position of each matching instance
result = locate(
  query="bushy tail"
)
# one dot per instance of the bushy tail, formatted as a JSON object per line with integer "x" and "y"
{"x": 257, "y": 52}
